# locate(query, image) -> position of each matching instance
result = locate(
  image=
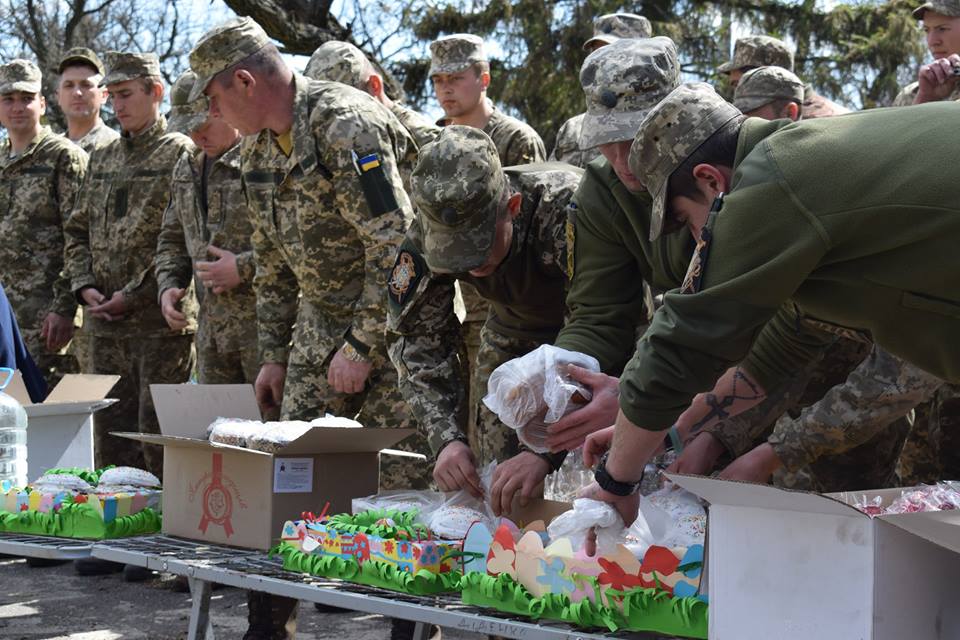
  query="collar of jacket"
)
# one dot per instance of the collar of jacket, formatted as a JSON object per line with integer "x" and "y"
{"x": 146, "y": 137}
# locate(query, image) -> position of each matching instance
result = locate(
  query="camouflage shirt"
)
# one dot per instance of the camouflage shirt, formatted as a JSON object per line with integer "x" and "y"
{"x": 38, "y": 188}
{"x": 112, "y": 233}
{"x": 526, "y": 296}
{"x": 908, "y": 94}
{"x": 99, "y": 136}
{"x": 327, "y": 225}
{"x": 195, "y": 220}
{"x": 422, "y": 130}
{"x": 517, "y": 142}
{"x": 567, "y": 147}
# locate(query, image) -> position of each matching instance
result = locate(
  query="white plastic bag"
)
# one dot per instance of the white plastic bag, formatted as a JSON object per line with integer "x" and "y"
{"x": 532, "y": 391}
{"x": 461, "y": 509}
{"x": 130, "y": 476}
{"x": 423, "y": 502}
{"x": 675, "y": 517}
{"x": 588, "y": 514}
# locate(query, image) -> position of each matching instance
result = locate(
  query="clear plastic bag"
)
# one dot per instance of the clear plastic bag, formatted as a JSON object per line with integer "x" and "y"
{"x": 130, "y": 476}
{"x": 276, "y": 435}
{"x": 56, "y": 482}
{"x": 565, "y": 483}
{"x": 674, "y": 517}
{"x": 460, "y": 509}
{"x": 232, "y": 431}
{"x": 532, "y": 391}
{"x": 425, "y": 503}
{"x": 939, "y": 497}
{"x": 587, "y": 514}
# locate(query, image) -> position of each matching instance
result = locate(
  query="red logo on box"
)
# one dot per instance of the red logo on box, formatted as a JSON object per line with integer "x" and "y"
{"x": 217, "y": 501}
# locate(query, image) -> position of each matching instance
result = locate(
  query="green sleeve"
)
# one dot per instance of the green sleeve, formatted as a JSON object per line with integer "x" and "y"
{"x": 762, "y": 249}
{"x": 70, "y": 173}
{"x": 174, "y": 266}
{"x": 606, "y": 292}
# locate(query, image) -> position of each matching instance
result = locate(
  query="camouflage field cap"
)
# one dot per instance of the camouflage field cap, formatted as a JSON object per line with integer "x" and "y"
{"x": 222, "y": 47}
{"x": 763, "y": 85}
{"x": 943, "y": 7}
{"x": 456, "y": 52}
{"x": 622, "y": 82}
{"x": 457, "y": 187}
{"x": 673, "y": 130}
{"x": 123, "y": 66}
{"x": 186, "y": 115}
{"x": 759, "y": 51}
{"x": 611, "y": 27}
{"x": 20, "y": 75}
{"x": 80, "y": 55}
{"x": 339, "y": 62}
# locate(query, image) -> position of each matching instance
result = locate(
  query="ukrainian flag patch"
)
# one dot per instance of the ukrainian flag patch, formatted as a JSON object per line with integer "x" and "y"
{"x": 369, "y": 162}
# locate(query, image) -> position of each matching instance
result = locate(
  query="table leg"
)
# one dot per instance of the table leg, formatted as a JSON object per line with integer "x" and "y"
{"x": 200, "y": 626}
{"x": 421, "y": 631}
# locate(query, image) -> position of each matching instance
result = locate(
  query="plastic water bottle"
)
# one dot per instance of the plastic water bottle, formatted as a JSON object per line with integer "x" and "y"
{"x": 13, "y": 438}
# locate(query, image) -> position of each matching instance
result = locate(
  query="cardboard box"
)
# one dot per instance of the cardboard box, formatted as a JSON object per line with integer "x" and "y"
{"x": 791, "y": 565}
{"x": 242, "y": 497}
{"x": 60, "y": 429}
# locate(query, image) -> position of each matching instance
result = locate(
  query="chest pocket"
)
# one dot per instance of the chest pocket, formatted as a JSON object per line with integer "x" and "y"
{"x": 32, "y": 187}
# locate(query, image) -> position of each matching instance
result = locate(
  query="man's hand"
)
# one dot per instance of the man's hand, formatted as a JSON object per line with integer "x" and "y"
{"x": 569, "y": 432}
{"x": 757, "y": 465}
{"x": 269, "y": 385}
{"x": 110, "y": 310}
{"x": 699, "y": 456}
{"x": 347, "y": 376}
{"x": 169, "y": 303}
{"x": 221, "y": 274}
{"x": 92, "y": 296}
{"x": 596, "y": 444}
{"x": 936, "y": 79}
{"x": 627, "y": 506}
{"x": 456, "y": 469}
{"x": 523, "y": 472}
{"x": 57, "y": 330}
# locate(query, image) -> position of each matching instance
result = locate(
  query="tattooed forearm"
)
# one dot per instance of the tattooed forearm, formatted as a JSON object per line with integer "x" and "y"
{"x": 734, "y": 393}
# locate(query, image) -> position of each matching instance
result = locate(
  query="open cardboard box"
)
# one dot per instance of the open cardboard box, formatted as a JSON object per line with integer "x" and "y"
{"x": 60, "y": 429}
{"x": 794, "y": 565}
{"x": 242, "y": 497}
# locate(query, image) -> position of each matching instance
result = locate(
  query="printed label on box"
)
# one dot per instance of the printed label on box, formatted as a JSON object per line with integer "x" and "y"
{"x": 293, "y": 475}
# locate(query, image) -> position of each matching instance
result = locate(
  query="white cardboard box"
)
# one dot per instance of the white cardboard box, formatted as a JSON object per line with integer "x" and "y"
{"x": 792, "y": 565}
{"x": 60, "y": 429}
{"x": 242, "y": 497}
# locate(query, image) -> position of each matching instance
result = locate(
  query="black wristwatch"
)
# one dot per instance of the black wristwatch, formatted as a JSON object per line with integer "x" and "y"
{"x": 608, "y": 484}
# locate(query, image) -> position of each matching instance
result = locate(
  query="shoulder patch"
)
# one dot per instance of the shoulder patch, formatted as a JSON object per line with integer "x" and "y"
{"x": 375, "y": 184}
{"x": 407, "y": 272}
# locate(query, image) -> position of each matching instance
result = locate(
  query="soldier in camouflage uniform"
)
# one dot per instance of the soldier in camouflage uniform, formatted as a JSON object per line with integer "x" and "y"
{"x": 206, "y": 236}
{"x": 460, "y": 73}
{"x": 606, "y": 29}
{"x": 329, "y": 215}
{"x": 770, "y": 93}
{"x": 940, "y": 20}
{"x": 110, "y": 250}
{"x": 81, "y": 97}
{"x": 40, "y": 175}
{"x": 338, "y": 61}
{"x": 751, "y": 52}
{"x": 503, "y": 232}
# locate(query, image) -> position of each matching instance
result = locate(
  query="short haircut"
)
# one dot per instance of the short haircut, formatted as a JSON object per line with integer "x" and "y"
{"x": 781, "y": 103}
{"x": 265, "y": 63}
{"x": 720, "y": 149}
{"x": 147, "y": 82}
{"x": 481, "y": 67}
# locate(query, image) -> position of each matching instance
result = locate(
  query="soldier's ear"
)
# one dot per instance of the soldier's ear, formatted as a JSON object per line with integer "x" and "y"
{"x": 374, "y": 85}
{"x": 792, "y": 111}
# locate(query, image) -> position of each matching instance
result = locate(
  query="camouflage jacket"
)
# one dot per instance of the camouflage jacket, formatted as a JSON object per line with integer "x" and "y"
{"x": 517, "y": 142}
{"x": 526, "y": 296}
{"x": 194, "y": 221}
{"x": 422, "y": 130}
{"x": 567, "y": 147}
{"x": 112, "y": 233}
{"x": 99, "y": 136}
{"x": 38, "y": 189}
{"x": 909, "y": 93}
{"x": 328, "y": 221}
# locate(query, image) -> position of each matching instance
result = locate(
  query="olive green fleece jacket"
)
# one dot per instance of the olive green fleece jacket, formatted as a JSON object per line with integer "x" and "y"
{"x": 853, "y": 219}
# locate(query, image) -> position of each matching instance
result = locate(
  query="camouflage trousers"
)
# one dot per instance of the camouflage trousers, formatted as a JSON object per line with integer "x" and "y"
{"x": 474, "y": 313}
{"x": 227, "y": 367}
{"x": 53, "y": 366}
{"x": 495, "y": 440}
{"x": 308, "y": 395}
{"x": 932, "y": 451}
{"x": 139, "y": 362}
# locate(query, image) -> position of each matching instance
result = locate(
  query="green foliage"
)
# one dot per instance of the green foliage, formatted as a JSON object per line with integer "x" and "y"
{"x": 857, "y": 54}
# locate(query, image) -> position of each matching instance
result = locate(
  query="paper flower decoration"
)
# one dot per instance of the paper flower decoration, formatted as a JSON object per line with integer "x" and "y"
{"x": 553, "y": 578}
